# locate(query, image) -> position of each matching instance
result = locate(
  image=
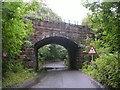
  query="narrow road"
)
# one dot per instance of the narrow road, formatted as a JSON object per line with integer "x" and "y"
{"x": 55, "y": 65}
{"x": 58, "y": 78}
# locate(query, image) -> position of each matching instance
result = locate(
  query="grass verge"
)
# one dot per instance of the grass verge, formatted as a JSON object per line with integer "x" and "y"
{"x": 13, "y": 78}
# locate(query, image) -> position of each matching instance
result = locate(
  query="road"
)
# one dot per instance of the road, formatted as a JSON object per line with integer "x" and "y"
{"x": 55, "y": 65}
{"x": 63, "y": 78}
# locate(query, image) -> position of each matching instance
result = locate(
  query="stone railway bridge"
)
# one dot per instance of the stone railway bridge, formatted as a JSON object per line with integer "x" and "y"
{"x": 68, "y": 35}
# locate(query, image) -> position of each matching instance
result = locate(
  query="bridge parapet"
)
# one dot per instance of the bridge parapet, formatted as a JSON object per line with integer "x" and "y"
{"x": 43, "y": 29}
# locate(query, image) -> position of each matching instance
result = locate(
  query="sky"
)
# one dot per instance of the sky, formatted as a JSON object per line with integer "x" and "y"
{"x": 68, "y": 9}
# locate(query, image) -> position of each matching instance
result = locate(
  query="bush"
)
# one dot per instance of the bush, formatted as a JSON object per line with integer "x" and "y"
{"x": 15, "y": 74}
{"x": 16, "y": 78}
{"x": 105, "y": 69}
{"x": 52, "y": 52}
{"x": 66, "y": 63}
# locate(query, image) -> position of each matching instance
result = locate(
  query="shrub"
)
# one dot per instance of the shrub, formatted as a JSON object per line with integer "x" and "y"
{"x": 105, "y": 69}
{"x": 16, "y": 74}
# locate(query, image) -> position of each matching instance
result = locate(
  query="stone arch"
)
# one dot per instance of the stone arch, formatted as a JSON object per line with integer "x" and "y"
{"x": 71, "y": 47}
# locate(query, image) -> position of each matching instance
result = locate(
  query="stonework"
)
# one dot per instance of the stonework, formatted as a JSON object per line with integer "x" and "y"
{"x": 43, "y": 29}
{"x": 46, "y": 29}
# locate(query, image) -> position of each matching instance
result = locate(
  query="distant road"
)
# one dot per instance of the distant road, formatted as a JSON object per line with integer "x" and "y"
{"x": 58, "y": 78}
{"x": 55, "y": 65}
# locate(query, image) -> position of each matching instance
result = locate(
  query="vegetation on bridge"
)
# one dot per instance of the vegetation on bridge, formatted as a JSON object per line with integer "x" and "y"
{"x": 104, "y": 22}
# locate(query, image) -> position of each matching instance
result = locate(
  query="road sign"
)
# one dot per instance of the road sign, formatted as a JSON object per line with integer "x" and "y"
{"x": 92, "y": 50}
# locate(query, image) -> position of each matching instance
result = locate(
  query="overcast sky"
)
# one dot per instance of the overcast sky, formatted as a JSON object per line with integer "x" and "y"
{"x": 68, "y": 9}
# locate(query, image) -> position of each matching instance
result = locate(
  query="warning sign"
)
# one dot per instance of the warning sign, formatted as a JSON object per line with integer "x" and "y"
{"x": 92, "y": 51}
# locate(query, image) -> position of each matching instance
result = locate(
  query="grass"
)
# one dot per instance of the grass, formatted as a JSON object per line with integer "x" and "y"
{"x": 13, "y": 78}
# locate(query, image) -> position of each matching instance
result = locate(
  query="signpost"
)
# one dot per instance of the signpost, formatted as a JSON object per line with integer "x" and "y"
{"x": 92, "y": 51}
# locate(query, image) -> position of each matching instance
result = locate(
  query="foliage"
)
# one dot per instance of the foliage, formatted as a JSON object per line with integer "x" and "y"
{"x": 17, "y": 75}
{"x": 51, "y": 52}
{"x": 66, "y": 63}
{"x": 15, "y": 28}
{"x": 45, "y": 13}
{"x": 105, "y": 70}
{"x": 104, "y": 22}
{"x": 57, "y": 52}
{"x": 15, "y": 33}
{"x": 43, "y": 53}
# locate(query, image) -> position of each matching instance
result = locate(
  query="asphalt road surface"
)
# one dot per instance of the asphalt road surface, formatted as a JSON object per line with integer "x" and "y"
{"x": 55, "y": 65}
{"x": 63, "y": 78}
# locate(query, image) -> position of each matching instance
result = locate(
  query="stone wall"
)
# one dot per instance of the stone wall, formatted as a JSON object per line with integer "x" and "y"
{"x": 45, "y": 29}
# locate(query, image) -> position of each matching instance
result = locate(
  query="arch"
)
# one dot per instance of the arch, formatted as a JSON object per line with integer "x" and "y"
{"x": 71, "y": 46}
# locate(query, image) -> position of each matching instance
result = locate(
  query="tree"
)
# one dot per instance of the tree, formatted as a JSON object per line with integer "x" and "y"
{"x": 14, "y": 30}
{"x": 52, "y": 52}
{"x": 104, "y": 22}
{"x": 45, "y": 13}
